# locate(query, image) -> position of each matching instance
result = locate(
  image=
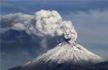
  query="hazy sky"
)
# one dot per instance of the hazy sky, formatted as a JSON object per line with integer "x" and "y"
{"x": 89, "y": 17}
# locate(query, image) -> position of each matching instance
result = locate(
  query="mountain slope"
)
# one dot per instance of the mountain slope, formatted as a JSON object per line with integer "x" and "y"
{"x": 65, "y": 52}
{"x": 63, "y": 55}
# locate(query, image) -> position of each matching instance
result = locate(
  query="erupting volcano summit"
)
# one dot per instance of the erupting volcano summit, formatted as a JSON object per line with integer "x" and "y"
{"x": 66, "y": 53}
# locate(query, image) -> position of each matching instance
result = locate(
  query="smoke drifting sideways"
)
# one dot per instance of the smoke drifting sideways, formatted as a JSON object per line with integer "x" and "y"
{"x": 44, "y": 24}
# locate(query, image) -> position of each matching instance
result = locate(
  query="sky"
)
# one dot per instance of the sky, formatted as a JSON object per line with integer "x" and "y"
{"x": 89, "y": 18}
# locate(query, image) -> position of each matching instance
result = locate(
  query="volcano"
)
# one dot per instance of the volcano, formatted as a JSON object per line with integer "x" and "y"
{"x": 63, "y": 55}
{"x": 67, "y": 55}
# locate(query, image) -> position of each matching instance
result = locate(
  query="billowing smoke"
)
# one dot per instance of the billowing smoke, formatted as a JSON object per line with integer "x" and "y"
{"x": 43, "y": 24}
{"x": 11, "y": 19}
{"x": 16, "y": 21}
{"x": 50, "y": 23}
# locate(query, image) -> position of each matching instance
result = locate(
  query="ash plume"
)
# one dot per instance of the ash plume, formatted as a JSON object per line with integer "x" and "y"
{"x": 44, "y": 24}
{"x": 50, "y": 23}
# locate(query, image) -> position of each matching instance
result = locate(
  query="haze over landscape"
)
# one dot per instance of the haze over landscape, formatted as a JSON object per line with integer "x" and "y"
{"x": 26, "y": 31}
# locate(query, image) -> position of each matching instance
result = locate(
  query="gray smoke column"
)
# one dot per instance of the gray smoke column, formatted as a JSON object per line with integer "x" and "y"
{"x": 43, "y": 24}
{"x": 50, "y": 23}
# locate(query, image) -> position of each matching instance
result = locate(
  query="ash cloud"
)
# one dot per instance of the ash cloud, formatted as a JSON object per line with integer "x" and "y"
{"x": 10, "y": 19}
{"x": 18, "y": 26}
{"x": 44, "y": 24}
{"x": 50, "y": 23}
